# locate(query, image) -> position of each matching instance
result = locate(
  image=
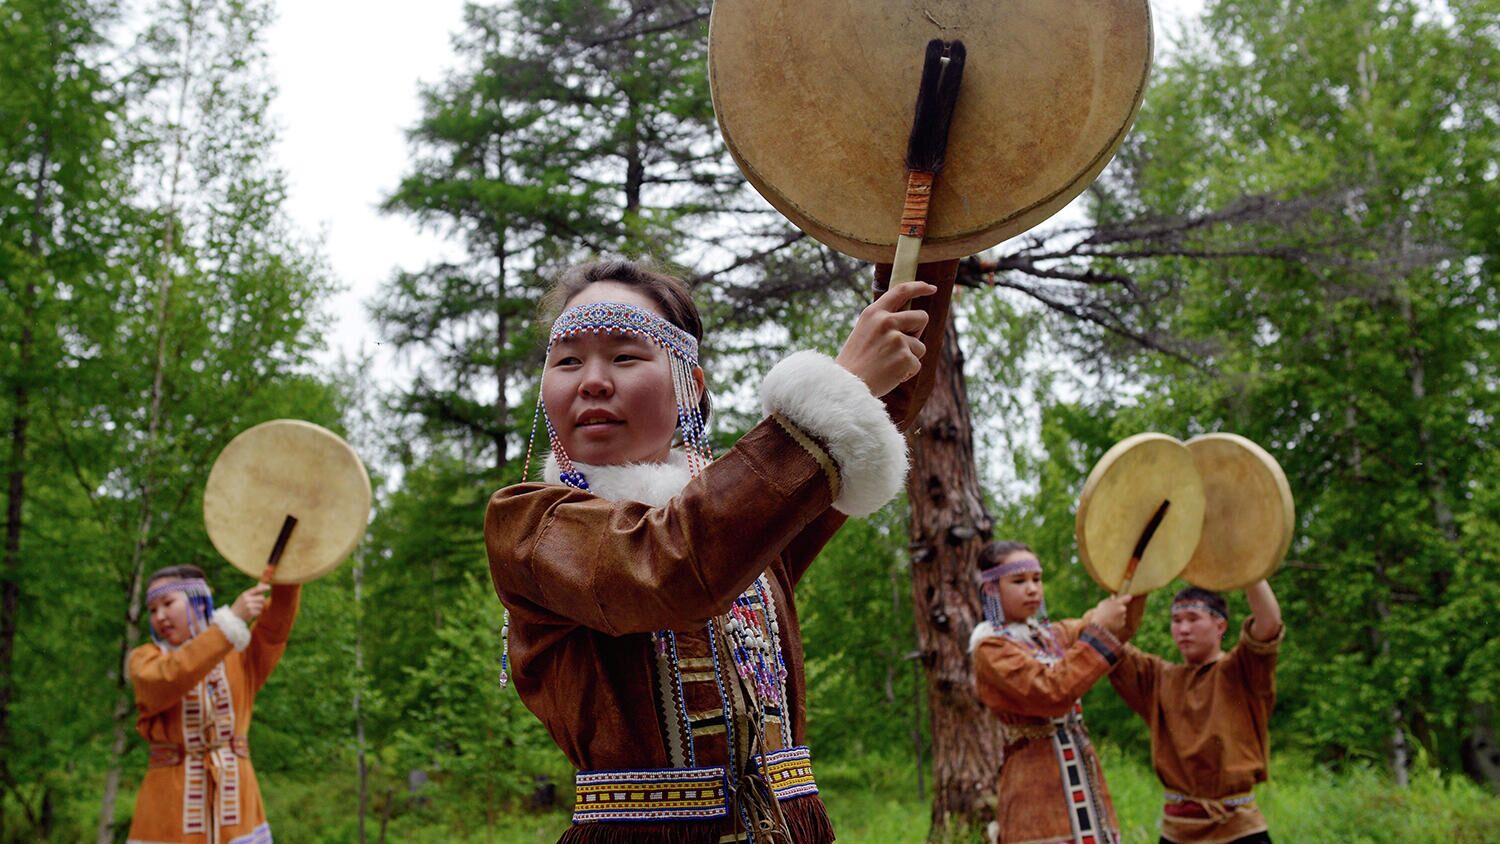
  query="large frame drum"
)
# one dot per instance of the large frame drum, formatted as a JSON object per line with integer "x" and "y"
{"x": 815, "y": 100}
{"x": 282, "y": 468}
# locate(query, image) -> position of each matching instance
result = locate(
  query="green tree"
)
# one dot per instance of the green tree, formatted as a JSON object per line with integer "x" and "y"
{"x": 217, "y": 323}
{"x": 59, "y": 215}
{"x": 1367, "y": 367}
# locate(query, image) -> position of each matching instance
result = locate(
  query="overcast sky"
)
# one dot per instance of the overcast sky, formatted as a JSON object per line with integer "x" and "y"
{"x": 348, "y": 74}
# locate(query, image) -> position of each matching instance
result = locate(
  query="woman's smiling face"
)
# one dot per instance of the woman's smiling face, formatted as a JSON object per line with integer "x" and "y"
{"x": 610, "y": 396}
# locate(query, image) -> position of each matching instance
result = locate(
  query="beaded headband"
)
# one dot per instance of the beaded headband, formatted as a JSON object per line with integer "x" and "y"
{"x": 192, "y": 587}
{"x": 1199, "y": 605}
{"x": 1028, "y": 564}
{"x": 619, "y": 318}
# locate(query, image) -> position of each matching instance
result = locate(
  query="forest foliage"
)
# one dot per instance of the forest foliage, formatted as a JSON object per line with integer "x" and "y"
{"x": 1299, "y": 243}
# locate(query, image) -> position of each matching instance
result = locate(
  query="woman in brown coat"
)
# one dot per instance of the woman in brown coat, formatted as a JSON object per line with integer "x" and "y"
{"x": 1031, "y": 674}
{"x": 650, "y": 589}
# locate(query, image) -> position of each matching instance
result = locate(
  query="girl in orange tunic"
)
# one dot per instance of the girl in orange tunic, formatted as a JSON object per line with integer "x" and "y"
{"x": 1031, "y": 674}
{"x": 195, "y": 687}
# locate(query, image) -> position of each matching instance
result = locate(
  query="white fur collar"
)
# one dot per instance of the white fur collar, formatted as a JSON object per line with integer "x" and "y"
{"x": 983, "y": 630}
{"x": 648, "y": 483}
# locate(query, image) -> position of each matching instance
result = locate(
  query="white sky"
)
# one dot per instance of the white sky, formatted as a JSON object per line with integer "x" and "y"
{"x": 348, "y": 74}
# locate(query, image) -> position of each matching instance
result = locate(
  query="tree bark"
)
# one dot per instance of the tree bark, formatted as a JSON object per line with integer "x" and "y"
{"x": 949, "y": 524}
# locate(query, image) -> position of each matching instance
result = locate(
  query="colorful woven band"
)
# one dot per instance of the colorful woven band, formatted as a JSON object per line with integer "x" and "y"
{"x": 1236, "y": 800}
{"x": 1028, "y": 564}
{"x": 1201, "y": 606}
{"x": 619, "y": 318}
{"x": 682, "y": 794}
{"x": 192, "y": 587}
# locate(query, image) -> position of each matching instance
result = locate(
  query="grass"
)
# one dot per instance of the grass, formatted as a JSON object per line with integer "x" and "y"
{"x": 874, "y": 800}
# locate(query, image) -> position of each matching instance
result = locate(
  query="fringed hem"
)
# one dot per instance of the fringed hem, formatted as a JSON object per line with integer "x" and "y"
{"x": 806, "y": 818}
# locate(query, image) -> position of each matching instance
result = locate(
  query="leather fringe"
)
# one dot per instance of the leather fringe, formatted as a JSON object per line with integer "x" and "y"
{"x": 806, "y": 818}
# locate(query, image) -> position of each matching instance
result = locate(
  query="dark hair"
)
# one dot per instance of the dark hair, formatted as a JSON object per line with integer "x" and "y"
{"x": 1213, "y": 599}
{"x": 177, "y": 572}
{"x": 994, "y": 553}
{"x": 669, "y": 292}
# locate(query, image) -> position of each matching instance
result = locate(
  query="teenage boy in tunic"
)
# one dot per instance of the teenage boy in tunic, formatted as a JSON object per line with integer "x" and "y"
{"x": 1208, "y": 715}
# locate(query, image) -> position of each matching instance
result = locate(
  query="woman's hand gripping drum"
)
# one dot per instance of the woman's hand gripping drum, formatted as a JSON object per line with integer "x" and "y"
{"x": 884, "y": 348}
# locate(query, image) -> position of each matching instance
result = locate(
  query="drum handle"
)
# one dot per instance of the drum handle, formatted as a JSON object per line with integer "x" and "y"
{"x": 280, "y": 547}
{"x": 926, "y": 148}
{"x": 1140, "y": 546}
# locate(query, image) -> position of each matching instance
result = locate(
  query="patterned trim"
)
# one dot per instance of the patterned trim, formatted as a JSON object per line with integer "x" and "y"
{"x": 259, "y": 835}
{"x": 1102, "y": 641}
{"x": 645, "y": 796}
{"x": 682, "y": 794}
{"x": 820, "y": 454}
{"x": 1176, "y": 805}
{"x": 1201, "y": 606}
{"x": 1025, "y": 565}
{"x": 671, "y": 711}
{"x": 189, "y": 586}
{"x": 1079, "y": 790}
{"x": 200, "y": 753}
{"x": 619, "y": 318}
{"x": 789, "y": 772}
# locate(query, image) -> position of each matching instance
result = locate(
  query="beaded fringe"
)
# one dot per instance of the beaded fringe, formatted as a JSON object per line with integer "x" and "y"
{"x": 806, "y": 818}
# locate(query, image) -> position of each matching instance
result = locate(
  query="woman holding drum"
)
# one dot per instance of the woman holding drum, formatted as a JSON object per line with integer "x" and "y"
{"x": 287, "y": 501}
{"x": 1031, "y": 674}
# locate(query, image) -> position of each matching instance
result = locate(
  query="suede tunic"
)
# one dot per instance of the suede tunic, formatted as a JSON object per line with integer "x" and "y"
{"x": 1210, "y": 736}
{"x": 1037, "y": 799}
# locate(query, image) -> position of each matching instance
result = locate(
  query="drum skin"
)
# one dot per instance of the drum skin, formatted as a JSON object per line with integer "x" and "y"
{"x": 1248, "y": 525}
{"x": 280, "y": 468}
{"x": 815, "y": 100}
{"x": 1119, "y": 498}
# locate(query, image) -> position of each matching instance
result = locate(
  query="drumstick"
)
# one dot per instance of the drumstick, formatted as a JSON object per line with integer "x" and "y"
{"x": 942, "y": 71}
{"x": 277, "y": 549}
{"x": 1140, "y": 546}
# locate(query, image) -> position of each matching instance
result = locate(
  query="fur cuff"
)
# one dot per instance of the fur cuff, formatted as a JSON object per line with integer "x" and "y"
{"x": 832, "y": 404}
{"x": 235, "y": 630}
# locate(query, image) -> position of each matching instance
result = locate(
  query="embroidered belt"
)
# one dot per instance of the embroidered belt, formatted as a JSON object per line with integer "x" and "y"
{"x": 1015, "y": 735}
{"x": 1183, "y": 806}
{"x": 682, "y": 794}
{"x": 172, "y": 755}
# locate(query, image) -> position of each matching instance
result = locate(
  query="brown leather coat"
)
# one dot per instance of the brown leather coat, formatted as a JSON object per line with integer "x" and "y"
{"x": 588, "y": 582}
